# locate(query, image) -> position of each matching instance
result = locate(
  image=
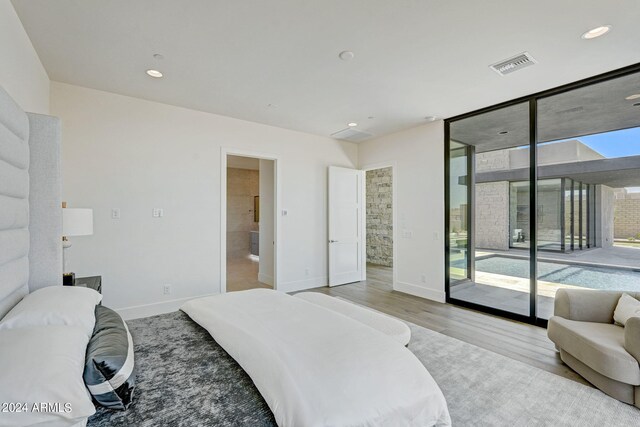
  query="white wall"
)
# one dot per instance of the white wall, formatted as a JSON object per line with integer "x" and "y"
{"x": 21, "y": 72}
{"x": 418, "y": 158}
{"x": 267, "y": 220}
{"x": 127, "y": 153}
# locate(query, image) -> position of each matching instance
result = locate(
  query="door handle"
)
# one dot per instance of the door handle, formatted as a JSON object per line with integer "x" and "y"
{"x": 333, "y": 241}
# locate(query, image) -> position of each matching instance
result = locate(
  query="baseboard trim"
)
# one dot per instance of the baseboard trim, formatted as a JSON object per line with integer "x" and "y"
{"x": 147, "y": 310}
{"x": 419, "y": 291}
{"x": 266, "y": 279}
{"x": 301, "y": 285}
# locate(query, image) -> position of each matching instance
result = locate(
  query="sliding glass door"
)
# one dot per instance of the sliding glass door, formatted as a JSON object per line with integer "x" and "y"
{"x": 490, "y": 186}
{"x": 590, "y": 137}
{"x": 543, "y": 193}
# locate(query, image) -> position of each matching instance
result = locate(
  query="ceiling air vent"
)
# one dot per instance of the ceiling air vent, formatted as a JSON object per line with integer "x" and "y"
{"x": 350, "y": 134}
{"x": 515, "y": 63}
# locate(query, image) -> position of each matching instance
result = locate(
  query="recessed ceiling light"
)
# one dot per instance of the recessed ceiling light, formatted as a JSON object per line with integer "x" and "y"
{"x": 596, "y": 32}
{"x": 346, "y": 55}
{"x": 430, "y": 118}
{"x": 158, "y": 56}
{"x": 352, "y": 124}
{"x": 371, "y": 117}
{"x": 504, "y": 132}
{"x": 154, "y": 73}
{"x": 632, "y": 97}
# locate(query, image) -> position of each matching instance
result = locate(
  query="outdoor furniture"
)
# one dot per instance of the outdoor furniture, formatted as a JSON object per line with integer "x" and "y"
{"x": 518, "y": 235}
{"x": 605, "y": 354}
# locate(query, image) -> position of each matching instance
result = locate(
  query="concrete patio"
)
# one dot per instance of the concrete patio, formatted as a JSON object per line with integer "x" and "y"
{"x": 611, "y": 257}
{"x": 512, "y": 293}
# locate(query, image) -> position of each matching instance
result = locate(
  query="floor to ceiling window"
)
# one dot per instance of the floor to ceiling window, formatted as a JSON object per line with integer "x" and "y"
{"x": 543, "y": 193}
{"x": 498, "y": 208}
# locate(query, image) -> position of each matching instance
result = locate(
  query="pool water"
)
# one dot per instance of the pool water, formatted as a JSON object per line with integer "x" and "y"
{"x": 577, "y": 275}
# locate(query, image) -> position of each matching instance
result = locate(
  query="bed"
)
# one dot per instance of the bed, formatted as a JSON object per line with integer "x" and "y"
{"x": 317, "y": 367}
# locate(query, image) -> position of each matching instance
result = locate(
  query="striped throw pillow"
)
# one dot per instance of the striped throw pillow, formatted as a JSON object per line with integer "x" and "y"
{"x": 109, "y": 371}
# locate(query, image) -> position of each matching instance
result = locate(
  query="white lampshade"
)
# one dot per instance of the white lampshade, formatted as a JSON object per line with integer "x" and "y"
{"x": 77, "y": 222}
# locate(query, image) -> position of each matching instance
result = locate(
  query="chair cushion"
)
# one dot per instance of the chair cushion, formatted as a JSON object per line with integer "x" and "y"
{"x": 627, "y": 307}
{"x": 598, "y": 345}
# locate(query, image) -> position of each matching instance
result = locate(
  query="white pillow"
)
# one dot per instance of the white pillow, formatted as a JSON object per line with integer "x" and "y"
{"x": 43, "y": 365}
{"x": 55, "y": 305}
{"x": 627, "y": 307}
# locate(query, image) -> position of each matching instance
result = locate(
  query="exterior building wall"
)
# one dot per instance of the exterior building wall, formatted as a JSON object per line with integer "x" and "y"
{"x": 242, "y": 186}
{"x": 557, "y": 153}
{"x": 492, "y": 161}
{"x": 626, "y": 222}
{"x": 380, "y": 216}
{"x": 458, "y": 219}
{"x": 605, "y": 200}
{"x": 492, "y": 215}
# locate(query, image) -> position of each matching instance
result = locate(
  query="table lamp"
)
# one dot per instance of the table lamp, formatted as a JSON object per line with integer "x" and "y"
{"x": 75, "y": 222}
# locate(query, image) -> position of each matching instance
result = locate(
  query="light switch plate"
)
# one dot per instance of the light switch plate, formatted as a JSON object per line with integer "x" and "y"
{"x": 158, "y": 213}
{"x": 115, "y": 213}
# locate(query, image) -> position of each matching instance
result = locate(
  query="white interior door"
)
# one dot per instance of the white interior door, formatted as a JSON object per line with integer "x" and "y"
{"x": 346, "y": 226}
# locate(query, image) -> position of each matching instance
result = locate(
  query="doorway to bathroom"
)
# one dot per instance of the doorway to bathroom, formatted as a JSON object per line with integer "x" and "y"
{"x": 248, "y": 223}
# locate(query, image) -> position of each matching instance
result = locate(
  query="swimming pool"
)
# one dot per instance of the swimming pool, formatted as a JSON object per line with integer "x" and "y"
{"x": 569, "y": 274}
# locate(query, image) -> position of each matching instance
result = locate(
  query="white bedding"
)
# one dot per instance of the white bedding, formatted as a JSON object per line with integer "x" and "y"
{"x": 315, "y": 367}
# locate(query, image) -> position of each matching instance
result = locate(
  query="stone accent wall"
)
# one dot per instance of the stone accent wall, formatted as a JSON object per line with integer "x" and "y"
{"x": 242, "y": 186}
{"x": 492, "y": 215}
{"x": 492, "y": 161}
{"x": 627, "y": 216}
{"x": 379, "y": 217}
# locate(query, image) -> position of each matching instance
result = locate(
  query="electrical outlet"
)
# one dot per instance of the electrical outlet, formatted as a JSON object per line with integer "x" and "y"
{"x": 115, "y": 213}
{"x": 423, "y": 278}
{"x": 167, "y": 289}
{"x": 157, "y": 213}
{"x": 306, "y": 272}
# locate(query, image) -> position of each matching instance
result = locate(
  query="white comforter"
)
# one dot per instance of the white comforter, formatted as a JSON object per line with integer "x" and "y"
{"x": 315, "y": 367}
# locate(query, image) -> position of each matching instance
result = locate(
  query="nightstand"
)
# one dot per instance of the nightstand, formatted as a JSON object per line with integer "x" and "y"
{"x": 93, "y": 282}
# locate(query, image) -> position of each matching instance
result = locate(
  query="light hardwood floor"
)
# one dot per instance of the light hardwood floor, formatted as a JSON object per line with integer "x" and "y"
{"x": 519, "y": 341}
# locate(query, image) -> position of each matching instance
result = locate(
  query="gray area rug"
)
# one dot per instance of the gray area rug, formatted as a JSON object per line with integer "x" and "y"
{"x": 186, "y": 379}
{"x": 483, "y": 388}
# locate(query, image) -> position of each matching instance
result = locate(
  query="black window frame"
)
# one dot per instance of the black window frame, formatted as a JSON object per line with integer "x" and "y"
{"x": 533, "y": 180}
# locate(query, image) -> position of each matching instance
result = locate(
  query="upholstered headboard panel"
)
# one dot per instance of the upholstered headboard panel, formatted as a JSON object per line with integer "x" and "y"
{"x": 14, "y": 203}
{"x": 30, "y": 211}
{"x": 45, "y": 213}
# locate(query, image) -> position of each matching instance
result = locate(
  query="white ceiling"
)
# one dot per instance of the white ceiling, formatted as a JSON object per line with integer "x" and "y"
{"x": 413, "y": 58}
